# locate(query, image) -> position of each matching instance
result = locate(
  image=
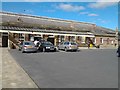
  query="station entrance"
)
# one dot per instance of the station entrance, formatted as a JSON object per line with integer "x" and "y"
{"x": 4, "y": 39}
{"x": 51, "y": 39}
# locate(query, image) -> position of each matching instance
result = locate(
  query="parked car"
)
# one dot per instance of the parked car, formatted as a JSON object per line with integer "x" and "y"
{"x": 27, "y": 46}
{"x": 46, "y": 46}
{"x": 118, "y": 51}
{"x": 68, "y": 46}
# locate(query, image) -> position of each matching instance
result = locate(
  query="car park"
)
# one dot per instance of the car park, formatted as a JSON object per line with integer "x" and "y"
{"x": 27, "y": 46}
{"x": 46, "y": 46}
{"x": 68, "y": 46}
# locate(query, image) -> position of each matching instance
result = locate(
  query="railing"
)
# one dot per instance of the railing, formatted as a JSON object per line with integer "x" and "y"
{"x": 12, "y": 42}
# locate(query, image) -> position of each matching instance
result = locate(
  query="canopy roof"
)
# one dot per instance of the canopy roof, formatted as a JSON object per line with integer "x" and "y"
{"x": 38, "y": 23}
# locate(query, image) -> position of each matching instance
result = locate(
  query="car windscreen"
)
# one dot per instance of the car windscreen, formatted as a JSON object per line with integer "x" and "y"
{"x": 72, "y": 43}
{"x": 28, "y": 43}
{"x": 66, "y": 43}
{"x": 48, "y": 43}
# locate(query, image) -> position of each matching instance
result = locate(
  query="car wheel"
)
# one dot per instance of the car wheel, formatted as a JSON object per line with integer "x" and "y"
{"x": 35, "y": 51}
{"x": 43, "y": 50}
{"x": 22, "y": 51}
{"x": 75, "y": 50}
{"x": 58, "y": 48}
{"x": 19, "y": 49}
{"x": 55, "y": 50}
{"x": 65, "y": 49}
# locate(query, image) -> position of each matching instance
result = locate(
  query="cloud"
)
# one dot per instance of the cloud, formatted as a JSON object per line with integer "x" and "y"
{"x": 89, "y": 14}
{"x": 69, "y": 7}
{"x": 99, "y": 5}
{"x": 92, "y": 14}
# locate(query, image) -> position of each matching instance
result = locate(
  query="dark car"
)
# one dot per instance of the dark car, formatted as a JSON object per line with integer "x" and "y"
{"x": 47, "y": 46}
{"x": 118, "y": 51}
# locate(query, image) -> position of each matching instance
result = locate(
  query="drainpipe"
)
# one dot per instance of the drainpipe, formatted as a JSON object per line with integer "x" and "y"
{"x": 8, "y": 40}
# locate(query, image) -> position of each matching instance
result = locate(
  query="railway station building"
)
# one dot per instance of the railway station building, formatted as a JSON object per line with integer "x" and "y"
{"x": 20, "y": 27}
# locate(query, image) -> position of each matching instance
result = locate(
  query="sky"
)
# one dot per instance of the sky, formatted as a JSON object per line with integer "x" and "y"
{"x": 103, "y": 14}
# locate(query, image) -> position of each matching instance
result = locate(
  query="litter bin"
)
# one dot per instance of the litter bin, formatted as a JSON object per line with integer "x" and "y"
{"x": 91, "y": 45}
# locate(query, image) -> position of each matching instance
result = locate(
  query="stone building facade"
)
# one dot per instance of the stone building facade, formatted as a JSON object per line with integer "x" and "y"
{"x": 26, "y": 27}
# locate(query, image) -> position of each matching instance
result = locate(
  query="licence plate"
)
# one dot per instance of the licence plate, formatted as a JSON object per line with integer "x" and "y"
{"x": 29, "y": 46}
{"x": 73, "y": 47}
{"x": 51, "y": 48}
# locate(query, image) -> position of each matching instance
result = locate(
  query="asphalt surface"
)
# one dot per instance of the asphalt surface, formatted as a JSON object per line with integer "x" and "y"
{"x": 96, "y": 68}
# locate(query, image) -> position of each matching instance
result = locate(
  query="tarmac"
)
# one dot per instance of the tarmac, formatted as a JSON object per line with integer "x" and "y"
{"x": 12, "y": 74}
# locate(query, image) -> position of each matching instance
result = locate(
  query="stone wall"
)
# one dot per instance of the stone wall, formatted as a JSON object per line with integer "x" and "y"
{"x": 106, "y": 40}
{"x": 0, "y": 39}
{"x": 0, "y": 42}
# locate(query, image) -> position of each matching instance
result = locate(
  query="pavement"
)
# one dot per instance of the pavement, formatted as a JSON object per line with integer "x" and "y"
{"x": 13, "y": 76}
{"x": 101, "y": 47}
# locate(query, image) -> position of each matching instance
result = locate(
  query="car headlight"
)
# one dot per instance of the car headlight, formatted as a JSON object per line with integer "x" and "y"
{"x": 47, "y": 47}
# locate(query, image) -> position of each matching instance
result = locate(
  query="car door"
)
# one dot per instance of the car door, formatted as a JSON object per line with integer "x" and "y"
{"x": 65, "y": 45}
{"x": 60, "y": 45}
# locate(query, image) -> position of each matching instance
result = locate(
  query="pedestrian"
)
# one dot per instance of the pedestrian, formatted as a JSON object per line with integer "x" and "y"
{"x": 36, "y": 42}
{"x": 88, "y": 45}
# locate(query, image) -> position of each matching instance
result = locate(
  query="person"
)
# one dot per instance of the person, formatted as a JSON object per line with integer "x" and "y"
{"x": 88, "y": 44}
{"x": 36, "y": 42}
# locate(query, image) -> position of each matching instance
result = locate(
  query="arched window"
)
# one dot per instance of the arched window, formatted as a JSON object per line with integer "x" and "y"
{"x": 108, "y": 40}
{"x": 101, "y": 40}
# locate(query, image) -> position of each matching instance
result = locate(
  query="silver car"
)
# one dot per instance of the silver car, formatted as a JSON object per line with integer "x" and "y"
{"x": 27, "y": 46}
{"x": 68, "y": 46}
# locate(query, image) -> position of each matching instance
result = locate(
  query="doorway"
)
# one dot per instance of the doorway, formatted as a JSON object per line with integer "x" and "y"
{"x": 51, "y": 40}
{"x": 5, "y": 40}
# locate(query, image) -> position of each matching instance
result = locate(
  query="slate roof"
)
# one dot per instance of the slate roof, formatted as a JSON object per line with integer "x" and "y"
{"x": 42, "y": 30}
{"x": 55, "y": 24}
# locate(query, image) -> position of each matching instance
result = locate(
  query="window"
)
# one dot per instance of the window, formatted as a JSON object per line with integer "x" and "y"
{"x": 28, "y": 43}
{"x": 101, "y": 40}
{"x": 62, "y": 38}
{"x": 94, "y": 40}
{"x": 0, "y": 34}
{"x": 72, "y": 38}
{"x": 108, "y": 40}
{"x": 72, "y": 43}
{"x": 66, "y": 43}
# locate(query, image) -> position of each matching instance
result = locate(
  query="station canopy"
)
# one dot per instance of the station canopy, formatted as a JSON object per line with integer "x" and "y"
{"x": 28, "y": 23}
